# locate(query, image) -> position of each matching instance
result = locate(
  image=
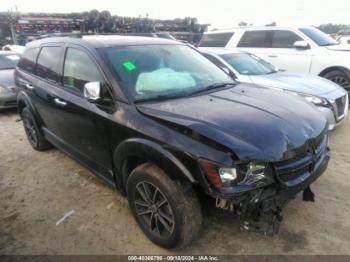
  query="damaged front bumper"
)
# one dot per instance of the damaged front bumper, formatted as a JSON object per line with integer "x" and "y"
{"x": 260, "y": 209}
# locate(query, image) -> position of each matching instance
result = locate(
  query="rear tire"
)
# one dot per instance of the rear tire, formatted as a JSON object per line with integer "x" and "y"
{"x": 169, "y": 215}
{"x": 35, "y": 138}
{"x": 340, "y": 78}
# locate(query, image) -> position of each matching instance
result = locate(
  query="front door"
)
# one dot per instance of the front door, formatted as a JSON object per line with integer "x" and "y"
{"x": 82, "y": 123}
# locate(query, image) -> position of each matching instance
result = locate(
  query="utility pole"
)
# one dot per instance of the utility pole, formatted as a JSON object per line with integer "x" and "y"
{"x": 12, "y": 29}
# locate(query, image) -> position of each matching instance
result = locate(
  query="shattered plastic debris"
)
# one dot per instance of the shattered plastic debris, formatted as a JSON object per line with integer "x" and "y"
{"x": 109, "y": 206}
{"x": 65, "y": 217}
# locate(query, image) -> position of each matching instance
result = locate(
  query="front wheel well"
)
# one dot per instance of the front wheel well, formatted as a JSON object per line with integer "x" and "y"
{"x": 335, "y": 68}
{"x": 20, "y": 106}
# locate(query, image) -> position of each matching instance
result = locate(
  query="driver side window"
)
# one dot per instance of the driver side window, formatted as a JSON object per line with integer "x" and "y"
{"x": 79, "y": 69}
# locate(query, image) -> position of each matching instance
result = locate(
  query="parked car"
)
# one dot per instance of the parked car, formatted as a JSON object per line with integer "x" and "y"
{"x": 304, "y": 49}
{"x": 14, "y": 48}
{"x": 344, "y": 39}
{"x": 157, "y": 120}
{"x": 8, "y": 92}
{"x": 331, "y": 99}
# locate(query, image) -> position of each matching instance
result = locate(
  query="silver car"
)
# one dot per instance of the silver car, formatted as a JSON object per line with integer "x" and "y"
{"x": 331, "y": 99}
{"x": 8, "y": 92}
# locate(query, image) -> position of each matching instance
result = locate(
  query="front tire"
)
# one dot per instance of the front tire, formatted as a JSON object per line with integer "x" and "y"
{"x": 35, "y": 138}
{"x": 169, "y": 215}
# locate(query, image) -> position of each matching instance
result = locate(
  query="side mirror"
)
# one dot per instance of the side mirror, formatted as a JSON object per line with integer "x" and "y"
{"x": 301, "y": 45}
{"x": 92, "y": 91}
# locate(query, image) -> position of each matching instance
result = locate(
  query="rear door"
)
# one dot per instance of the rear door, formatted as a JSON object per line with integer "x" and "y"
{"x": 38, "y": 76}
{"x": 48, "y": 72}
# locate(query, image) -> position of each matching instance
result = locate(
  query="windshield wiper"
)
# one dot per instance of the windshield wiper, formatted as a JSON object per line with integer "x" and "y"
{"x": 212, "y": 86}
{"x": 159, "y": 97}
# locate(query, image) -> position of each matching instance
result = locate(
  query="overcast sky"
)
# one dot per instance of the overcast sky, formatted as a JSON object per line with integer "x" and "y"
{"x": 220, "y": 13}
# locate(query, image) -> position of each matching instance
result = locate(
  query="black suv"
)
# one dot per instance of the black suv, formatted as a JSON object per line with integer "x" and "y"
{"x": 158, "y": 121}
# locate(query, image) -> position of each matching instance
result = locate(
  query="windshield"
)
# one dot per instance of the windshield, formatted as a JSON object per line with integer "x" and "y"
{"x": 8, "y": 61}
{"x": 247, "y": 64}
{"x": 153, "y": 71}
{"x": 318, "y": 36}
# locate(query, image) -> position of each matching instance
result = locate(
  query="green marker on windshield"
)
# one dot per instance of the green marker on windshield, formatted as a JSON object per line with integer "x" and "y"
{"x": 128, "y": 65}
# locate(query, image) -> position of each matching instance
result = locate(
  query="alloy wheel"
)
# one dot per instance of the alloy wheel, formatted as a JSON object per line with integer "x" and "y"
{"x": 342, "y": 81}
{"x": 153, "y": 209}
{"x": 30, "y": 130}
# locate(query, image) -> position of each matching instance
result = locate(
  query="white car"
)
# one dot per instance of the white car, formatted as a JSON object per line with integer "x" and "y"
{"x": 330, "y": 99}
{"x": 304, "y": 49}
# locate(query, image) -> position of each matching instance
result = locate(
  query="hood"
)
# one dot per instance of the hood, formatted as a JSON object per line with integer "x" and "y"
{"x": 340, "y": 47}
{"x": 296, "y": 82}
{"x": 6, "y": 78}
{"x": 256, "y": 123}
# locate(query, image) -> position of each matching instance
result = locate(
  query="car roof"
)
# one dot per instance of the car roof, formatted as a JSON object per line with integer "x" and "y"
{"x": 100, "y": 41}
{"x": 233, "y": 29}
{"x": 220, "y": 51}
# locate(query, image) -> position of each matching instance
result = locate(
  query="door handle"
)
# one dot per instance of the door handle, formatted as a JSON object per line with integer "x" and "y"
{"x": 29, "y": 86}
{"x": 60, "y": 102}
{"x": 272, "y": 56}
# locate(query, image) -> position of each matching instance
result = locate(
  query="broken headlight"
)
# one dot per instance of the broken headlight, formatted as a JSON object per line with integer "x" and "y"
{"x": 254, "y": 172}
{"x": 241, "y": 174}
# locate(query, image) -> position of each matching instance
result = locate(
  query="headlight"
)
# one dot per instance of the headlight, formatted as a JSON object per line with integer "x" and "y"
{"x": 243, "y": 174}
{"x": 227, "y": 175}
{"x": 318, "y": 101}
{"x": 255, "y": 172}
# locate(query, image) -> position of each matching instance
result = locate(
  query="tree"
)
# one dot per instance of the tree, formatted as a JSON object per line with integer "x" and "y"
{"x": 332, "y": 28}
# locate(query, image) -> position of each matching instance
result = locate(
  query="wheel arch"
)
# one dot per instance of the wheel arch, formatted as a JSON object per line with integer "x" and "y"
{"x": 135, "y": 151}
{"x": 334, "y": 68}
{"x": 24, "y": 101}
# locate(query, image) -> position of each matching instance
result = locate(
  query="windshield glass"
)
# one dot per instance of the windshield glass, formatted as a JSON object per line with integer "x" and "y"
{"x": 247, "y": 64}
{"x": 8, "y": 61}
{"x": 318, "y": 36}
{"x": 153, "y": 71}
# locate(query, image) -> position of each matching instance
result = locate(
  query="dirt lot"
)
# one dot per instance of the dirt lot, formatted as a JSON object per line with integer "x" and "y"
{"x": 38, "y": 189}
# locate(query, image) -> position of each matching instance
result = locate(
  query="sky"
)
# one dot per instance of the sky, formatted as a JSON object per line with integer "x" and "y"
{"x": 218, "y": 13}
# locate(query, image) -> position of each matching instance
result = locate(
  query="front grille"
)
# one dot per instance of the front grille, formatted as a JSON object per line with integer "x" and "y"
{"x": 340, "y": 106}
{"x": 294, "y": 171}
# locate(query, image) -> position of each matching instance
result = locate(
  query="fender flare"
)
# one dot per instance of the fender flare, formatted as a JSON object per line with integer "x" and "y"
{"x": 150, "y": 151}
{"x": 23, "y": 99}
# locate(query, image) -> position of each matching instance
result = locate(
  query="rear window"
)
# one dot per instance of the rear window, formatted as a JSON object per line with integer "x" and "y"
{"x": 253, "y": 39}
{"x": 215, "y": 40}
{"x": 48, "y": 66}
{"x": 28, "y": 60}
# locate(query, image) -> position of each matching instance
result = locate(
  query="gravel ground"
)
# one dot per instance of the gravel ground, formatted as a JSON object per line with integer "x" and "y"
{"x": 38, "y": 189}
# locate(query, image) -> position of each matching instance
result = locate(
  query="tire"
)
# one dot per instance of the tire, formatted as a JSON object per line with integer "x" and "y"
{"x": 35, "y": 138}
{"x": 340, "y": 78}
{"x": 174, "y": 218}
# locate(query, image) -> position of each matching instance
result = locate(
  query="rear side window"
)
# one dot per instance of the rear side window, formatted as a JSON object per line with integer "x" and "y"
{"x": 48, "y": 65}
{"x": 284, "y": 39}
{"x": 215, "y": 40}
{"x": 28, "y": 60}
{"x": 253, "y": 39}
{"x": 79, "y": 69}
